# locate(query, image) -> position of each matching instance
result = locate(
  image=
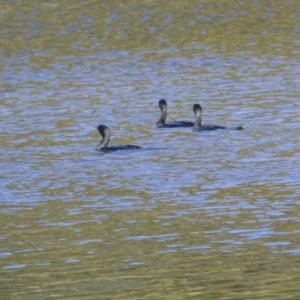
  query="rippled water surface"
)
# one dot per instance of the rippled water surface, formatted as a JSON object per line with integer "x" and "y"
{"x": 191, "y": 215}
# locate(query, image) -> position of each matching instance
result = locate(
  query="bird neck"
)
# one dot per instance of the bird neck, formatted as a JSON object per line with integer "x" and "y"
{"x": 163, "y": 116}
{"x": 198, "y": 119}
{"x": 105, "y": 140}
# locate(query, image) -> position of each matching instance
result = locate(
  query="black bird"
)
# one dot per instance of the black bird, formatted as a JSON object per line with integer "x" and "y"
{"x": 198, "y": 121}
{"x": 162, "y": 120}
{"x": 103, "y": 145}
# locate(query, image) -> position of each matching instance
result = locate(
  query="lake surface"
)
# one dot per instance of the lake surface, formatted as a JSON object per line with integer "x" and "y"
{"x": 192, "y": 215}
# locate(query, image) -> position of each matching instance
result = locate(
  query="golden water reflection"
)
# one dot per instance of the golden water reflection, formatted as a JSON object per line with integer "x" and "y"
{"x": 172, "y": 249}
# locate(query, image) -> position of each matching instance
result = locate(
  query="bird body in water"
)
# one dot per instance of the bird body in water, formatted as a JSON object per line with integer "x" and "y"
{"x": 161, "y": 123}
{"x": 198, "y": 121}
{"x": 103, "y": 145}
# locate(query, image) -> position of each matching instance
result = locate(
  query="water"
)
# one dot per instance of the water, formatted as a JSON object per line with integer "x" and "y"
{"x": 192, "y": 215}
